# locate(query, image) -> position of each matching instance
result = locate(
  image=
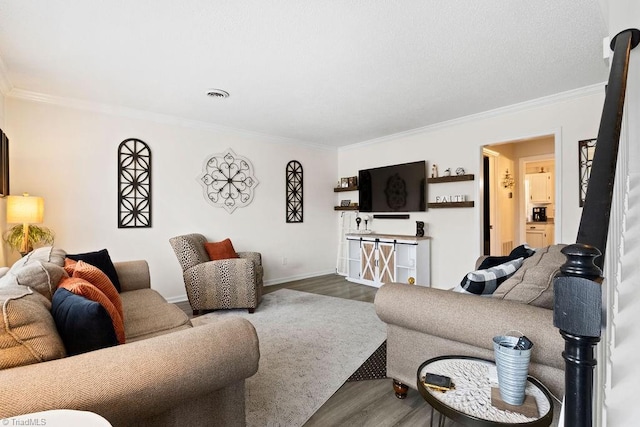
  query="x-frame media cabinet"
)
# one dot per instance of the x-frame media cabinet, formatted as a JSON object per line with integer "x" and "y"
{"x": 375, "y": 259}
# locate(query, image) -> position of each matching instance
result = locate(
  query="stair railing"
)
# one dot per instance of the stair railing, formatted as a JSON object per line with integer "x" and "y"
{"x": 577, "y": 293}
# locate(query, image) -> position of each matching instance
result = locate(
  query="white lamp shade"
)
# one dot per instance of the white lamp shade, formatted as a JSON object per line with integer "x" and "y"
{"x": 25, "y": 209}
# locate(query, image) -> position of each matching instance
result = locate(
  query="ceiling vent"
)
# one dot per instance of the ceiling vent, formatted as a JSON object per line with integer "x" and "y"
{"x": 217, "y": 93}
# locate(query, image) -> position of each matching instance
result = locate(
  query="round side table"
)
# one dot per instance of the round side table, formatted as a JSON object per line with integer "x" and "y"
{"x": 470, "y": 402}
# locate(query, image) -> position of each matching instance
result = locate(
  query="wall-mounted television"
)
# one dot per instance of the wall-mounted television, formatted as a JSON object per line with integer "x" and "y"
{"x": 395, "y": 188}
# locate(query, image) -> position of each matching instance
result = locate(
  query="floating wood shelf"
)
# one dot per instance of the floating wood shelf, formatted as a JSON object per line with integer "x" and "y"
{"x": 453, "y": 178}
{"x": 345, "y": 208}
{"x": 451, "y": 205}
{"x": 339, "y": 189}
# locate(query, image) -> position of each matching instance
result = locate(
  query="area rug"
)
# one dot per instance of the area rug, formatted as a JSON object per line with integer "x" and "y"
{"x": 309, "y": 346}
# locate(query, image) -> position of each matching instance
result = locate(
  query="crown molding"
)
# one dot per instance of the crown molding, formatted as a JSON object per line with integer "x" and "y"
{"x": 8, "y": 90}
{"x": 5, "y": 83}
{"x": 514, "y": 108}
{"x": 133, "y": 113}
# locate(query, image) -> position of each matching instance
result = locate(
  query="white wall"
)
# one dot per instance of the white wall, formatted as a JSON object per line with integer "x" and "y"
{"x": 456, "y": 233}
{"x": 69, "y": 157}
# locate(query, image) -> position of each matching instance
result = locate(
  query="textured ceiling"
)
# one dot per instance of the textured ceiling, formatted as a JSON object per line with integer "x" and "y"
{"x": 331, "y": 72}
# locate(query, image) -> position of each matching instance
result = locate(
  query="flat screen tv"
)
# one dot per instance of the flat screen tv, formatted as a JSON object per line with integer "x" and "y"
{"x": 396, "y": 188}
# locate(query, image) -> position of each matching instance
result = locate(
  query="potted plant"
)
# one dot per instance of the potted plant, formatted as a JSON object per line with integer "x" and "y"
{"x": 15, "y": 237}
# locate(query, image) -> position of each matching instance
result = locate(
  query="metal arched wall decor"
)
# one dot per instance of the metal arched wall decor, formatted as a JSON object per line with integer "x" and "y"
{"x": 294, "y": 191}
{"x": 134, "y": 184}
{"x": 586, "y": 150}
{"x": 228, "y": 180}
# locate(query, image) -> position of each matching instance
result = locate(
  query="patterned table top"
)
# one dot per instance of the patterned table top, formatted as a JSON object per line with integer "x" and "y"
{"x": 473, "y": 379}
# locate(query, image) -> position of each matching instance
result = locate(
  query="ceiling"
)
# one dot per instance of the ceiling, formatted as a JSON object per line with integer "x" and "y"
{"x": 324, "y": 72}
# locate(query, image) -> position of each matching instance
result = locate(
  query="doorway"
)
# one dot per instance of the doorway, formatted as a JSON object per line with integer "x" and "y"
{"x": 486, "y": 214}
{"x": 491, "y": 224}
{"x": 507, "y": 206}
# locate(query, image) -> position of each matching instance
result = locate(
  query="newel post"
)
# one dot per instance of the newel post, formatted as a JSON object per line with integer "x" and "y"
{"x": 577, "y": 312}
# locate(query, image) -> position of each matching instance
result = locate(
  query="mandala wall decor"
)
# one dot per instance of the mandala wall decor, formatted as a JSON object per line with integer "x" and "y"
{"x": 228, "y": 180}
{"x": 134, "y": 184}
{"x": 294, "y": 191}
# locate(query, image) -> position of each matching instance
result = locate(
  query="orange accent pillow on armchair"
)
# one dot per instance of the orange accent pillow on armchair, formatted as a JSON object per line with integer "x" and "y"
{"x": 220, "y": 250}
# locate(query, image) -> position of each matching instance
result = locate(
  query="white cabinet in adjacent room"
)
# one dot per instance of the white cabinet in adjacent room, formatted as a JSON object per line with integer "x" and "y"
{"x": 375, "y": 259}
{"x": 535, "y": 238}
{"x": 539, "y": 235}
{"x": 540, "y": 187}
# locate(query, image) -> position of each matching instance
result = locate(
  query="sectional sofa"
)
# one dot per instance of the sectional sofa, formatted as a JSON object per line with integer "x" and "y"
{"x": 423, "y": 323}
{"x": 168, "y": 373}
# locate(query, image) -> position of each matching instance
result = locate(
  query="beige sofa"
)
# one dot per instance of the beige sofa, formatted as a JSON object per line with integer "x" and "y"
{"x": 167, "y": 374}
{"x": 423, "y": 322}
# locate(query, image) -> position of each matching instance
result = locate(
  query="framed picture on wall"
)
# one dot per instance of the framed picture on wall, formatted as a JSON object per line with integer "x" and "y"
{"x": 4, "y": 164}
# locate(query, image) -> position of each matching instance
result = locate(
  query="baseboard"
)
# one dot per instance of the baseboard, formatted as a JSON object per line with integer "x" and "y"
{"x": 177, "y": 299}
{"x": 183, "y": 297}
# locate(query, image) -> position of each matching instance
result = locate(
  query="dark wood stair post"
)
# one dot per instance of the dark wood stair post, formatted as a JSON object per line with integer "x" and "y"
{"x": 577, "y": 313}
{"x": 577, "y": 308}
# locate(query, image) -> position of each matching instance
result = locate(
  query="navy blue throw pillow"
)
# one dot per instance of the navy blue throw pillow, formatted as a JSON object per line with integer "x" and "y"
{"x": 522, "y": 251}
{"x": 83, "y": 325}
{"x": 101, "y": 260}
{"x": 492, "y": 261}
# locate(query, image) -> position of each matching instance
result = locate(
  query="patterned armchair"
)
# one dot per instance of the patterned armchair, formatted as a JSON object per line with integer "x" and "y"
{"x": 221, "y": 284}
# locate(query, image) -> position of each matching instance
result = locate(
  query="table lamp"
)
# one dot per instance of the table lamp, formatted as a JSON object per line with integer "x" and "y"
{"x": 26, "y": 210}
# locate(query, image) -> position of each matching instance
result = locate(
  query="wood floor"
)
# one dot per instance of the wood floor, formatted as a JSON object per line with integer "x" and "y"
{"x": 358, "y": 403}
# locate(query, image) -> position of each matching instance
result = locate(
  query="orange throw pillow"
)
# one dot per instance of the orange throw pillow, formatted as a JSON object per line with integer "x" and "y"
{"x": 100, "y": 280}
{"x": 220, "y": 250}
{"x": 82, "y": 287}
{"x": 69, "y": 266}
